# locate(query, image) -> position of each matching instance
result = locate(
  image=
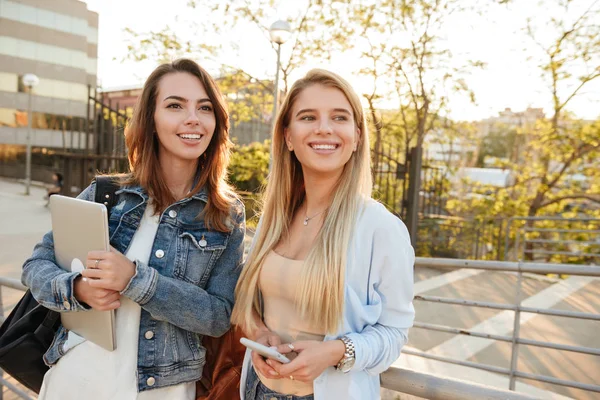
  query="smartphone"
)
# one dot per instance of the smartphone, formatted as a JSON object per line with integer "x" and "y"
{"x": 264, "y": 350}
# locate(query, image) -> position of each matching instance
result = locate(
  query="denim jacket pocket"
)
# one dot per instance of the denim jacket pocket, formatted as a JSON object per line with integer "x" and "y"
{"x": 197, "y": 254}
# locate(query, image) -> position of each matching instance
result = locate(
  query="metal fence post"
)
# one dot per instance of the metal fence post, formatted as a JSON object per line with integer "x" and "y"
{"x": 507, "y": 239}
{"x": 414, "y": 193}
{"x": 516, "y": 330}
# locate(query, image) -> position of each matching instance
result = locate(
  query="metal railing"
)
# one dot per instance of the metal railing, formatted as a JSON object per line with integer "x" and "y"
{"x": 520, "y": 268}
{"x": 576, "y": 238}
{"x": 436, "y": 387}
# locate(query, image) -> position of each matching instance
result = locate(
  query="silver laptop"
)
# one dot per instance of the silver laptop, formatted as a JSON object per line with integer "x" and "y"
{"x": 78, "y": 227}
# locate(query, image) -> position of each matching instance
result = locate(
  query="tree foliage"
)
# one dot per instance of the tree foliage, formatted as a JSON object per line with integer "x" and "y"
{"x": 249, "y": 166}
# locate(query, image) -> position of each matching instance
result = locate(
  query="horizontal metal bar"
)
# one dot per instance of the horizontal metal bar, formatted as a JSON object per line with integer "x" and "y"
{"x": 558, "y": 241}
{"x": 560, "y": 382}
{"x": 562, "y": 253}
{"x": 539, "y": 268}
{"x": 505, "y": 371}
{"x": 19, "y": 392}
{"x": 435, "y": 387}
{"x": 528, "y": 342}
{"x": 12, "y": 283}
{"x": 510, "y": 307}
{"x": 462, "y": 302}
{"x": 485, "y": 367}
{"x": 561, "y": 313}
{"x": 449, "y": 329}
{"x": 561, "y": 230}
{"x": 576, "y": 349}
{"x": 553, "y": 219}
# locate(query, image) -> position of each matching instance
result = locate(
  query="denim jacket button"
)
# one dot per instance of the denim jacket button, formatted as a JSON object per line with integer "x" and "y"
{"x": 172, "y": 213}
{"x": 150, "y": 381}
{"x": 149, "y": 335}
{"x": 67, "y": 305}
{"x": 159, "y": 254}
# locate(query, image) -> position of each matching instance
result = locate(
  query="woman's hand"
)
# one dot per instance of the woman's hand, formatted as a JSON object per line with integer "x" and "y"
{"x": 97, "y": 298}
{"x": 108, "y": 270}
{"x": 314, "y": 357}
{"x": 269, "y": 339}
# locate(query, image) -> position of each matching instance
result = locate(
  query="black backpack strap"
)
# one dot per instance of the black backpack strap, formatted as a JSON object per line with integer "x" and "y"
{"x": 45, "y": 331}
{"x": 106, "y": 186}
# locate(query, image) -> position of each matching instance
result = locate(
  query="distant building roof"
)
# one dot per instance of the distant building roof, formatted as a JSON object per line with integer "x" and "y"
{"x": 120, "y": 88}
{"x": 487, "y": 176}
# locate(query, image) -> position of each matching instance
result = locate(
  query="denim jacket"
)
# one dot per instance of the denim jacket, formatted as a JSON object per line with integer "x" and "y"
{"x": 186, "y": 290}
{"x": 378, "y": 309}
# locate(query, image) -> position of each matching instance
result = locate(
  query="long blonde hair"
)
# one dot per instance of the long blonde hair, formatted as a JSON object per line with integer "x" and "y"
{"x": 320, "y": 298}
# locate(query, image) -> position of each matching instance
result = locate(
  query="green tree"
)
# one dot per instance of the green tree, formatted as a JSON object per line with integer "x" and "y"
{"x": 402, "y": 43}
{"x": 499, "y": 143}
{"x": 309, "y": 41}
{"x": 249, "y": 166}
{"x": 248, "y": 171}
{"x": 570, "y": 62}
{"x": 316, "y": 31}
{"x": 555, "y": 173}
{"x": 248, "y": 98}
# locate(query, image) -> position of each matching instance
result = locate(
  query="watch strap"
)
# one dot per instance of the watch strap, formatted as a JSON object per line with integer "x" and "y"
{"x": 349, "y": 346}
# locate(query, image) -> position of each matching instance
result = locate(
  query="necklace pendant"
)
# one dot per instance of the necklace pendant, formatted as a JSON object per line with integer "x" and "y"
{"x": 305, "y": 221}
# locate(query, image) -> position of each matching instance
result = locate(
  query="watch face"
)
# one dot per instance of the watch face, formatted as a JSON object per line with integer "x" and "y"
{"x": 347, "y": 364}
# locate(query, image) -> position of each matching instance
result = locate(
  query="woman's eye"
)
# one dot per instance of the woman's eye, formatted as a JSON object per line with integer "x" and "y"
{"x": 340, "y": 118}
{"x": 174, "y": 105}
{"x": 307, "y": 118}
{"x": 206, "y": 108}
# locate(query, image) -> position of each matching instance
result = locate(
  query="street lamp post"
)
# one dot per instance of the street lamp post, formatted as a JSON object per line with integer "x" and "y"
{"x": 30, "y": 81}
{"x": 280, "y": 32}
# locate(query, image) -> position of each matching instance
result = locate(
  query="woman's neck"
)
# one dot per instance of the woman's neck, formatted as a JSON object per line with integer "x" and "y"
{"x": 319, "y": 191}
{"x": 179, "y": 176}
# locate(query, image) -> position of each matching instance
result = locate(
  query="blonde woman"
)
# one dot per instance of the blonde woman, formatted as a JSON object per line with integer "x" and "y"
{"x": 329, "y": 278}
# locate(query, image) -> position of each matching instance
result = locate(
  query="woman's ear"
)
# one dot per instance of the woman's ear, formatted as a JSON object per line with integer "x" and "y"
{"x": 357, "y": 139}
{"x": 288, "y": 142}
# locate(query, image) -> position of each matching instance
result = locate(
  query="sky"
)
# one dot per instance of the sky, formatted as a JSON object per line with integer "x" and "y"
{"x": 510, "y": 79}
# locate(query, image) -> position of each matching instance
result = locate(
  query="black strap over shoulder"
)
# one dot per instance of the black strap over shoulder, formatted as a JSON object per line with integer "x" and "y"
{"x": 106, "y": 186}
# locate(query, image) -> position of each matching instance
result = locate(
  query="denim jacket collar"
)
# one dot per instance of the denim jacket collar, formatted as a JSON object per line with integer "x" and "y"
{"x": 202, "y": 195}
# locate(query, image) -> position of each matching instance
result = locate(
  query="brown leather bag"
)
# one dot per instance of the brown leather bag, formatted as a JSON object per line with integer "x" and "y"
{"x": 223, "y": 369}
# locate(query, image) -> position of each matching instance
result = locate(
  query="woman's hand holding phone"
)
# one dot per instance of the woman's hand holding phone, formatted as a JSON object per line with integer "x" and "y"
{"x": 313, "y": 358}
{"x": 269, "y": 339}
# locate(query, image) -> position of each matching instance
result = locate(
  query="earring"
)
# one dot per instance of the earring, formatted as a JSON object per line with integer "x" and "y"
{"x": 290, "y": 148}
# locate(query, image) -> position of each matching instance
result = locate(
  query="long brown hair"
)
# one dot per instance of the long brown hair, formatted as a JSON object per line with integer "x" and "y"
{"x": 142, "y": 143}
{"x": 320, "y": 294}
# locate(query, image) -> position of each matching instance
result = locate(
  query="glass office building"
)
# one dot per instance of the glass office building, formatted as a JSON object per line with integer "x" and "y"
{"x": 58, "y": 41}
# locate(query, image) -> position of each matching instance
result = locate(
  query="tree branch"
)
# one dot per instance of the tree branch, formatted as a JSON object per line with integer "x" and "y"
{"x": 585, "y": 80}
{"x": 595, "y": 199}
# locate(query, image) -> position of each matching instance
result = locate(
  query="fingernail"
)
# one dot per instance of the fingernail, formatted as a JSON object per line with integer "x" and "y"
{"x": 273, "y": 347}
{"x": 268, "y": 362}
{"x": 273, "y": 372}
